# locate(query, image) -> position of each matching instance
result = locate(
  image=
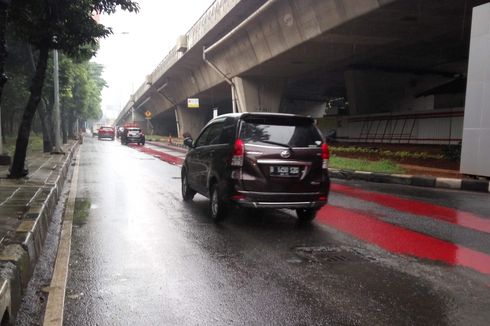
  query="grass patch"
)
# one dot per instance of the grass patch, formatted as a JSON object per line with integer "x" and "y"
{"x": 385, "y": 153}
{"x": 382, "y": 166}
{"x": 35, "y": 144}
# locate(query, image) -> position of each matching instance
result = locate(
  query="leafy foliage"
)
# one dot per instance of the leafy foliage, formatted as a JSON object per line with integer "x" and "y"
{"x": 385, "y": 153}
{"x": 81, "y": 85}
{"x": 16, "y": 91}
{"x": 65, "y": 25}
{"x": 452, "y": 152}
{"x": 382, "y": 166}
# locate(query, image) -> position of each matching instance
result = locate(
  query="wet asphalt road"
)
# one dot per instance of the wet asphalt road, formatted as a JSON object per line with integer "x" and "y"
{"x": 140, "y": 256}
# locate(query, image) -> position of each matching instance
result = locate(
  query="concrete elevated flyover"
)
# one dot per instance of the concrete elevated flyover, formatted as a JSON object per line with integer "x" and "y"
{"x": 372, "y": 70}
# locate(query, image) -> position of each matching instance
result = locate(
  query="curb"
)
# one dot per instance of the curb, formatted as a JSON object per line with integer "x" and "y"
{"x": 171, "y": 147}
{"x": 19, "y": 257}
{"x": 411, "y": 180}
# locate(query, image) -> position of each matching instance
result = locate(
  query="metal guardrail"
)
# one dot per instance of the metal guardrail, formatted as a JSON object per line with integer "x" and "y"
{"x": 400, "y": 127}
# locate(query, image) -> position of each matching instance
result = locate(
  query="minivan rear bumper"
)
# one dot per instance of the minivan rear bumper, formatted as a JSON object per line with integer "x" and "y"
{"x": 134, "y": 139}
{"x": 291, "y": 205}
{"x": 105, "y": 135}
{"x": 279, "y": 200}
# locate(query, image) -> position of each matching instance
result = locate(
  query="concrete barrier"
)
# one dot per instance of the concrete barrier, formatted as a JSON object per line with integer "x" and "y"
{"x": 419, "y": 181}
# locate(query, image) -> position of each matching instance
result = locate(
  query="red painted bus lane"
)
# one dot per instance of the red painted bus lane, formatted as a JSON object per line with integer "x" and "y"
{"x": 402, "y": 241}
{"x": 161, "y": 155}
{"x": 419, "y": 208}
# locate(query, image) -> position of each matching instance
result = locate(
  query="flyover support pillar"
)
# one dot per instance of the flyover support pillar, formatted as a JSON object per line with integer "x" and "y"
{"x": 258, "y": 95}
{"x": 190, "y": 120}
{"x": 138, "y": 118}
{"x": 475, "y": 151}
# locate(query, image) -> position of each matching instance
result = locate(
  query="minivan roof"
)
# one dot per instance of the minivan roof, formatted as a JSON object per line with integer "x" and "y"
{"x": 243, "y": 115}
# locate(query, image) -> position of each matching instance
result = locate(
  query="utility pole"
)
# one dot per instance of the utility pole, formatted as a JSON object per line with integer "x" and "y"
{"x": 56, "y": 107}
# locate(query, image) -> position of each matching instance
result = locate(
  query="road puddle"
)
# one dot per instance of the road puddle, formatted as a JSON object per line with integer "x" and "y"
{"x": 330, "y": 255}
{"x": 82, "y": 209}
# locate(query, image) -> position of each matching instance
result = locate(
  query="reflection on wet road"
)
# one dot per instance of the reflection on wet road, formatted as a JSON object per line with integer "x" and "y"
{"x": 378, "y": 255}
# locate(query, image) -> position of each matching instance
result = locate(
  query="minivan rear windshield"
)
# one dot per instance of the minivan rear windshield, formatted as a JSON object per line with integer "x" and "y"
{"x": 267, "y": 133}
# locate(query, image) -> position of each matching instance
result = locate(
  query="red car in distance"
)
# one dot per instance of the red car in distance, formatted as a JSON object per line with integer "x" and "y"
{"x": 106, "y": 132}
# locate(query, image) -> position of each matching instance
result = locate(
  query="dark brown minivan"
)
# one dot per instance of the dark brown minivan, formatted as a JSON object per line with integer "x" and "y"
{"x": 258, "y": 160}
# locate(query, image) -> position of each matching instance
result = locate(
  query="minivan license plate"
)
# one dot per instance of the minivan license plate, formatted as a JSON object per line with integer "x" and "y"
{"x": 284, "y": 171}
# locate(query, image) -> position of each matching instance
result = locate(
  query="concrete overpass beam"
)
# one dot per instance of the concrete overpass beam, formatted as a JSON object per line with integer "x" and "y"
{"x": 161, "y": 102}
{"x": 372, "y": 91}
{"x": 258, "y": 95}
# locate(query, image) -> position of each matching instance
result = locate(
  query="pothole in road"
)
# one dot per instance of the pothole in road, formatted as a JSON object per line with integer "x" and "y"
{"x": 333, "y": 255}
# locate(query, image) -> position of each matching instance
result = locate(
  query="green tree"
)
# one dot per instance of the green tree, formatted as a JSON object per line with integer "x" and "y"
{"x": 65, "y": 25}
{"x": 82, "y": 92}
{"x": 16, "y": 91}
{"x": 81, "y": 85}
{"x": 4, "y": 6}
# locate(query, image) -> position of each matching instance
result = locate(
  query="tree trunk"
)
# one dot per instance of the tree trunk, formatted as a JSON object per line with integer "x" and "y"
{"x": 43, "y": 116}
{"x": 17, "y": 170}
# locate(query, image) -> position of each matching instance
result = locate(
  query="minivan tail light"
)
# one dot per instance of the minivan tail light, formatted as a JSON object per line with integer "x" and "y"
{"x": 238, "y": 153}
{"x": 325, "y": 156}
{"x": 238, "y": 197}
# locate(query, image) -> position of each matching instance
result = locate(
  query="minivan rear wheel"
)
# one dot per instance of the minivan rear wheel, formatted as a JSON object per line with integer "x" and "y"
{"x": 217, "y": 207}
{"x": 187, "y": 192}
{"x": 306, "y": 214}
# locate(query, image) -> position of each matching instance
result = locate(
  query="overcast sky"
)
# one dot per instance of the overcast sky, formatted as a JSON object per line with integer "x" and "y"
{"x": 139, "y": 43}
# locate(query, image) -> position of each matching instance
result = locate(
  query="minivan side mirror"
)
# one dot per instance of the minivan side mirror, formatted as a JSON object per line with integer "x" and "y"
{"x": 188, "y": 142}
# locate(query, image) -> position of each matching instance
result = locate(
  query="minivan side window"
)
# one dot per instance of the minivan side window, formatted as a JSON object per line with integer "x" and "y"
{"x": 215, "y": 133}
{"x": 202, "y": 140}
{"x": 211, "y": 135}
{"x": 229, "y": 130}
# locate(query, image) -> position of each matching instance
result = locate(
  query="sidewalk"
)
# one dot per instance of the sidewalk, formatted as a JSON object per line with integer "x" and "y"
{"x": 26, "y": 206}
{"x": 422, "y": 176}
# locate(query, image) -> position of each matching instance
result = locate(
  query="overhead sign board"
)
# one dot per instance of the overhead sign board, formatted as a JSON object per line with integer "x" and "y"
{"x": 193, "y": 103}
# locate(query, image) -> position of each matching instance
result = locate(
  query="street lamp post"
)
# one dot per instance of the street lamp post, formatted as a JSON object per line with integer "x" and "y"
{"x": 56, "y": 106}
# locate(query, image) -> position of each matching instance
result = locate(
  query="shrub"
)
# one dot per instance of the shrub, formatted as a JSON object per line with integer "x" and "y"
{"x": 452, "y": 152}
